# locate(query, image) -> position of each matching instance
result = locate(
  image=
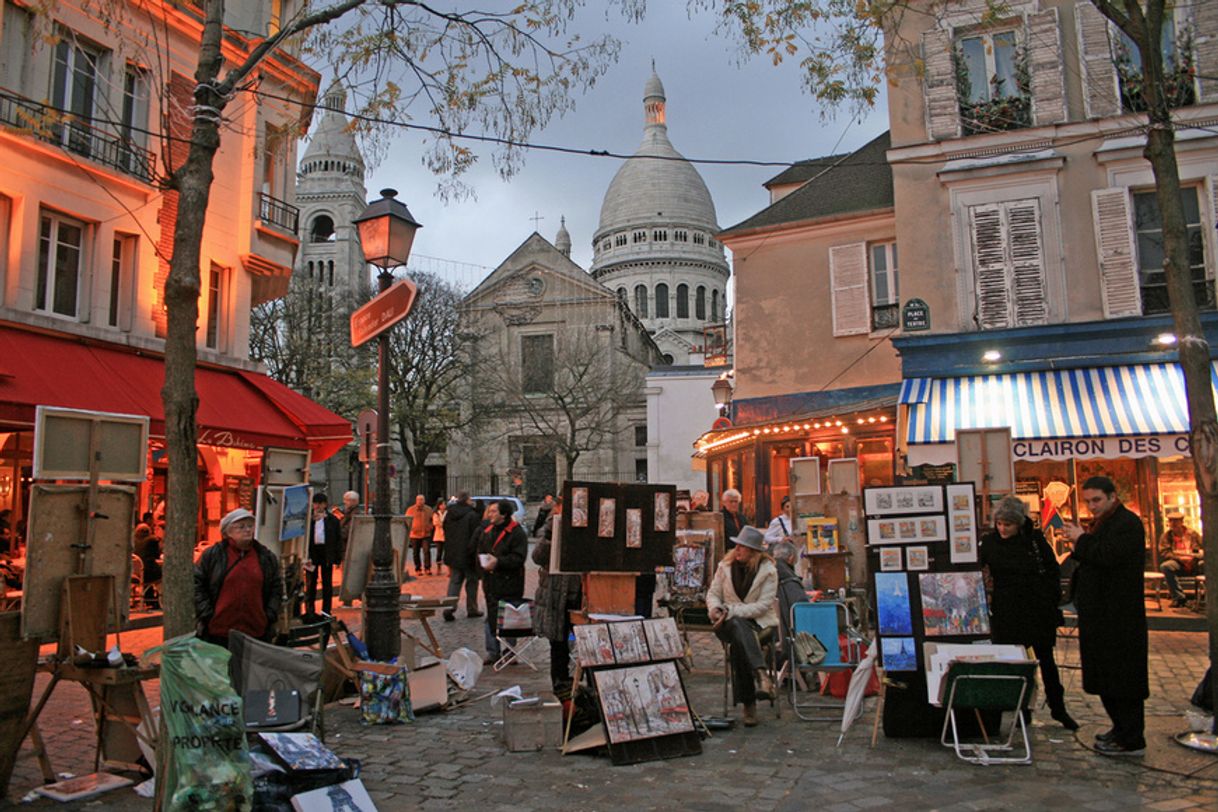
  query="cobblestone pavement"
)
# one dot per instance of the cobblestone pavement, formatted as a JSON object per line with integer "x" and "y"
{"x": 456, "y": 759}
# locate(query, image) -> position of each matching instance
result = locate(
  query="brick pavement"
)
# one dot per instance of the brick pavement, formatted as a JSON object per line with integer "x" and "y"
{"x": 456, "y": 759}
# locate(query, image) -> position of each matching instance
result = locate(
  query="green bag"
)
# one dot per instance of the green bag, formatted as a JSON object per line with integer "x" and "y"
{"x": 208, "y": 765}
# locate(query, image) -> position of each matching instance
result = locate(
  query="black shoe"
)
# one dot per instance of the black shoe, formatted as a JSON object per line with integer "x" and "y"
{"x": 1112, "y": 748}
{"x": 491, "y": 659}
{"x": 1106, "y": 736}
{"x": 1179, "y": 603}
{"x": 1063, "y": 718}
{"x": 449, "y": 616}
{"x": 473, "y": 614}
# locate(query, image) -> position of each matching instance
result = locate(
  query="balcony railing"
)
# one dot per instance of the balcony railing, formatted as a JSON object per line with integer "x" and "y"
{"x": 279, "y": 213}
{"x": 60, "y": 127}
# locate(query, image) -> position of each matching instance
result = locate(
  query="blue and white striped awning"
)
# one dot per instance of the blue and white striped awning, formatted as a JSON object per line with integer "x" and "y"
{"x": 1099, "y": 402}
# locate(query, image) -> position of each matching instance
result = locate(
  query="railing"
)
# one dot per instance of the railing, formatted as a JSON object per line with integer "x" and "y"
{"x": 884, "y": 317}
{"x": 60, "y": 127}
{"x": 278, "y": 213}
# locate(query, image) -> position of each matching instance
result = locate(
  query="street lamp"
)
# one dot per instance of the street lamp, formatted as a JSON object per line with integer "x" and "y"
{"x": 722, "y": 390}
{"x": 386, "y": 232}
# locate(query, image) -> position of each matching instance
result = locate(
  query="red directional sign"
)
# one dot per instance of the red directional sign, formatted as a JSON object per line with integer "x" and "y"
{"x": 386, "y": 310}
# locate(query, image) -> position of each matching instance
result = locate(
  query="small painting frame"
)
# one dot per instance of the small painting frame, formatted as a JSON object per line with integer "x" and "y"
{"x": 962, "y": 522}
{"x": 579, "y": 507}
{"x": 902, "y": 500}
{"x": 606, "y": 517}
{"x": 890, "y": 559}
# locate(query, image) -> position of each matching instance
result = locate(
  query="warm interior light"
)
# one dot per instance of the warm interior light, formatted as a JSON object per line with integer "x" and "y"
{"x": 845, "y": 429}
{"x": 991, "y": 356}
{"x": 883, "y": 418}
{"x": 1165, "y": 340}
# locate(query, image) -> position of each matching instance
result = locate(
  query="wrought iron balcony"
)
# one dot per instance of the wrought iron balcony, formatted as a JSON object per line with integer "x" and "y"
{"x": 279, "y": 213}
{"x": 59, "y": 127}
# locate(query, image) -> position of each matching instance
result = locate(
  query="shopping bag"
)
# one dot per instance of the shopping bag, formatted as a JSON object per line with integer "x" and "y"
{"x": 384, "y": 694}
{"x": 515, "y": 618}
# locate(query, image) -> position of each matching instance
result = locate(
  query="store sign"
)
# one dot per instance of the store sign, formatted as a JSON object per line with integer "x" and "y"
{"x": 1089, "y": 448}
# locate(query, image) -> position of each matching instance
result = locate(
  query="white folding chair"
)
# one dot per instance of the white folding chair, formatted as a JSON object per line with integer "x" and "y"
{"x": 515, "y": 623}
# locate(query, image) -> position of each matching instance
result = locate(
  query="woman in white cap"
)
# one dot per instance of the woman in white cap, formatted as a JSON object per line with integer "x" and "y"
{"x": 237, "y": 584}
{"x": 741, "y": 604}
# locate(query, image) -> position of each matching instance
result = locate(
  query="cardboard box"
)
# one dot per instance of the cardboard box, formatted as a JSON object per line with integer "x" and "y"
{"x": 535, "y": 726}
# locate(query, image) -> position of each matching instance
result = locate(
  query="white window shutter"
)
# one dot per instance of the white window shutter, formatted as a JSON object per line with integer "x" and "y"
{"x": 848, "y": 279}
{"x": 939, "y": 85}
{"x": 988, "y": 235}
{"x": 1205, "y": 45}
{"x": 1101, "y": 97}
{"x": 1211, "y": 270}
{"x": 1027, "y": 262}
{"x": 1044, "y": 43}
{"x": 1114, "y": 245}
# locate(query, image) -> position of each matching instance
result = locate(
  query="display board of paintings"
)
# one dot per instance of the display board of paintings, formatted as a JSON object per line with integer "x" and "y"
{"x": 617, "y": 527}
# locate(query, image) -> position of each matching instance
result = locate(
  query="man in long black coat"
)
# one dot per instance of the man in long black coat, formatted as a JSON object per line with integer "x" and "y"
{"x": 461, "y": 522}
{"x": 1108, "y": 593}
{"x": 325, "y": 540}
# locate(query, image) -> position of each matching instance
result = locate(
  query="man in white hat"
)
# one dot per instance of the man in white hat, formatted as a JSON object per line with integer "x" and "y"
{"x": 237, "y": 584}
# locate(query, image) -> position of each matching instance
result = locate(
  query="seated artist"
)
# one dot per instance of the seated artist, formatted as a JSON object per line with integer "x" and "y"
{"x": 740, "y": 602}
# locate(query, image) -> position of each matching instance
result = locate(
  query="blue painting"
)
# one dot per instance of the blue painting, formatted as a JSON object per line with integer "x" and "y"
{"x": 899, "y": 654}
{"x": 892, "y": 603}
{"x": 295, "y": 512}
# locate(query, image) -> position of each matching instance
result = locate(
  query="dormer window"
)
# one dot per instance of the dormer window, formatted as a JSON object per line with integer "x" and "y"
{"x": 993, "y": 83}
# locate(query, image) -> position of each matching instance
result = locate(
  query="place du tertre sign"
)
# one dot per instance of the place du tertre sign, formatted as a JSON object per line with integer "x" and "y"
{"x": 384, "y": 311}
{"x": 915, "y": 315}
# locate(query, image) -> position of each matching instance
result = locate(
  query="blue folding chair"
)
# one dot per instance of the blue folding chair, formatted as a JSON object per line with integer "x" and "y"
{"x": 828, "y": 622}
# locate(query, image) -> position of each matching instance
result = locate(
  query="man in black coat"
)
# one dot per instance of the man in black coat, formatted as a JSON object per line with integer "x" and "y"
{"x": 1108, "y": 593}
{"x": 505, "y": 545}
{"x": 461, "y": 522}
{"x": 325, "y": 539}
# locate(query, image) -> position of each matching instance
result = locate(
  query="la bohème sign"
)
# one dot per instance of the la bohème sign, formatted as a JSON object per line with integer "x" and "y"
{"x": 384, "y": 311}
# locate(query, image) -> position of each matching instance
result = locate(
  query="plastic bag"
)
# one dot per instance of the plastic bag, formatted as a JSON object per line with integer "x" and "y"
{"x": 208, "y": 763}
{"x": 384, "y": 699}
{"x": 464, "y": 666}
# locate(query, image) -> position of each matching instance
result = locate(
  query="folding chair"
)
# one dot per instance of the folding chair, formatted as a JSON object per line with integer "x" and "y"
{"x": 770, "y": 645}
{"x": 515, "y": 622}
{"x": 259, "y": 666}
{"x": 828, "y": 622}
{"x": 992, "y": 686}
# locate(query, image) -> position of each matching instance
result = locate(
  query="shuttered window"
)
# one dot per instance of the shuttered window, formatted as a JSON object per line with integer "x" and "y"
{"x": 1008, "y": 261}
{"x": 849, "y": 282}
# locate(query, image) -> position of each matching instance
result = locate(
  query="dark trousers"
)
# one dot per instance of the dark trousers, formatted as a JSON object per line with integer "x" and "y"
{"x": 327, "y": 588}
{"x": 1055, "y": 694}
{"x": 458, "y": 576}
{"x": 560, "y": 668}
{"x": 1128, "y": 720}
{"x": 422, "y": 545}
{"x": 492, "y": 622}
{"x": 439, "y": 545}
{"x": 744, "y": 651}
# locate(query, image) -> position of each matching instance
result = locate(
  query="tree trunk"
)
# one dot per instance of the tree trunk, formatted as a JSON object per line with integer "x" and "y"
{"x": 193, "y": 182}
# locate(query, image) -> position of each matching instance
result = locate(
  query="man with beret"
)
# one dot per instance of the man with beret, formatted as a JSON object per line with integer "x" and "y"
{"x": 237, "y": 584}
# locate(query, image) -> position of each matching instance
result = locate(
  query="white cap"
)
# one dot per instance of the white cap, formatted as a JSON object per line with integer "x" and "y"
{"x": 234, "y": 516}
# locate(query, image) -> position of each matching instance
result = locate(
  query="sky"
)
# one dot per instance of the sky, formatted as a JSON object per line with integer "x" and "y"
{"x": 717, "y": 108}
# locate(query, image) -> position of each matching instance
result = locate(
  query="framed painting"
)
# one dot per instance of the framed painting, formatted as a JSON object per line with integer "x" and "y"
{"x": 643, "y": 702}
{"x": 903, "y": 500}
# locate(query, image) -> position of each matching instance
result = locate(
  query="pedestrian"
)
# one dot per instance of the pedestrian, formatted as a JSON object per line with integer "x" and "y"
{"x": 1025, "y": 605}
{"x": 148, "y": 548}
{"x": 325, "y": 539}
{"x": 781, "y": 527}
{"x": 420, "y": 535}
{"x": 1108, "y": 593}
{"x": 557, "y": 594}
{"x": 237, "y": 584}
{"x": 437, "y": 534}
{"x": 733, "y": 520}
{"x": 740, "y": 602}
{"x": 347, "y": 517}
{"x": 461, "y": 520}
{"x": 543, "y": 513}
{"x": 1180, "y": 553}
{"x": 502, "y": 549}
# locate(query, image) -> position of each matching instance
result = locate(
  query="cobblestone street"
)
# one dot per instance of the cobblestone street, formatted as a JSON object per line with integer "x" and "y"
{"x": 456, "y": 759}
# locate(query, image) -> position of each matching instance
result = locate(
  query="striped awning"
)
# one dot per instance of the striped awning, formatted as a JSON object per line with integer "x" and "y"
{"x": 1098, "y": 402}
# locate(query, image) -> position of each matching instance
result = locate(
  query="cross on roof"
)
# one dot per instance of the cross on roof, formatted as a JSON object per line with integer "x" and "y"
{"x": 536, "y": 218}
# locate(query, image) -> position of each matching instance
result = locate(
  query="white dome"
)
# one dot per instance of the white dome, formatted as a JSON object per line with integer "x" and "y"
{"x": 333, "y": 137}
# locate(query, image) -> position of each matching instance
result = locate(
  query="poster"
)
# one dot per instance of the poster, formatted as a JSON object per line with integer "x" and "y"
{"x": 606, "y": 520}
{"x": 892, "y": 603}
{"x": 953, "y": 603}
{"x": 689, "y": 566}
{"x": 634, "y": 527}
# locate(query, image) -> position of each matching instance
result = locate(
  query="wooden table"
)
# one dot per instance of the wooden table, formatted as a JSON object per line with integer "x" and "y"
{"x": 423, "y": 611}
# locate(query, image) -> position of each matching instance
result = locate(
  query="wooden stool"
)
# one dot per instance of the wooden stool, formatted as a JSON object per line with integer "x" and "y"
{"x": 1155, "y": 583}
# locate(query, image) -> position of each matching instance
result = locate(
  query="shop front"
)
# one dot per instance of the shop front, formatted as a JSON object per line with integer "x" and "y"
{"x": 240, "y": 414}
{"x": 754, "y": 456}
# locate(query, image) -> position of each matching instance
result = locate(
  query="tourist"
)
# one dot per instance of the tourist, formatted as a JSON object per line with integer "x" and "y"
{"x": 420, "y": 535}
{"x": 237, "y": 584}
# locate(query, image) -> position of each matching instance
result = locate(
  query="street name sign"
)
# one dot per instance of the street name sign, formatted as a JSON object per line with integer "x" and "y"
{"x": 384, "y": 311}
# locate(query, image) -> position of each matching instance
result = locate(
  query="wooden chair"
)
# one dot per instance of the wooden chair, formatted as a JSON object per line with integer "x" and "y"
{"x": 989, "y": 686}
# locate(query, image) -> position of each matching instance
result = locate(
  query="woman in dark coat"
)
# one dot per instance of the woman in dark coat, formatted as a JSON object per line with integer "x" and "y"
{"x": 1027, "y": 590}
{"x": 557, "y": 594}
{"x": 1108, "y": 593}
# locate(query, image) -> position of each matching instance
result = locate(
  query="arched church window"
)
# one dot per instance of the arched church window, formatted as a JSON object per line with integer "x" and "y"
{"x": 309, "y": 269}
{"x": 683, "y": 301}
{"x": 714, "y": 305}
{"x": 330, "y": 280}
{"x": 640, "y": 301}
{"x": 619, "y": 240}
{"x": 621, "y": 296}
{"x": 700, "y": 304}
{"x": 659, "y": 235}
{"x": 661, "y": 301}
{"x": 699, "y": 239}
{"x": 322, "y": 229}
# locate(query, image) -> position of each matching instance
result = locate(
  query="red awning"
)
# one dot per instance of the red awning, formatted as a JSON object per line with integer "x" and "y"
{"x": 237, "y": 408}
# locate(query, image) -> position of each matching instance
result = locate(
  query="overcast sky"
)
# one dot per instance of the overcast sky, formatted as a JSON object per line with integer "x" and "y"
{"x": 716, "y": 109}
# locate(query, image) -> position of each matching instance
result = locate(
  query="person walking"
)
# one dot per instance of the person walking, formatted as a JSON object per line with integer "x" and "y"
{"x": 437, "y": 534}
{"x": 237, "y": 584}
{"x": 1112, "y": 635}
{"x": 420, "y": 535}
{"x": 1027, "y": 592}
{"x": 461, "y": 520}
{"x": 325, "y": 539}
{"x": 502, "y": 549}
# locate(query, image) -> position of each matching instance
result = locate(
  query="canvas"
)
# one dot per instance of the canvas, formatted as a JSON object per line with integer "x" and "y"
{"x": 663, "y": 512}
{"x": 302, "y": 751}
{"x": 606, "y": 518}
{"x": 892, "y": 603}
{"x": 917, "y": 558}
{"x": 890, "y": 559}
{"x": 295, "y": 512}
{"x": 634, "y": 528}
{"x": 689, "y": 566}
{"x": 899, "y": 654}
{"x": 643, "y": 702}
{"x": 953, "y": 603}
{"x": 664, "y": 638}
{"x": 962, "y": 522}
{"x": 349, "y": 796}
{"x": 593, "y": 646}
{"x": 579, "y": 507}
{"x": 629, "y": 642}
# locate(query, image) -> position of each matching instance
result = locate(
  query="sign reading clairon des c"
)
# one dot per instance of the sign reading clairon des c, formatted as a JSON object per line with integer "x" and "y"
{"x": 1083, "y": 448}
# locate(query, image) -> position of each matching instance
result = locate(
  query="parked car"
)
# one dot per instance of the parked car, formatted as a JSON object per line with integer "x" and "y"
{"x": 518, "y": 514}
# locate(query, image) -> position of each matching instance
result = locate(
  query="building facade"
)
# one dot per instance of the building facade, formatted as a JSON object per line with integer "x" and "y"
{"x": 90, "y": 111}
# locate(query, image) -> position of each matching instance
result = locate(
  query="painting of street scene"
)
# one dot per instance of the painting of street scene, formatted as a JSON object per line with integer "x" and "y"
{"x": 592, "y": 645}
{"x": 643, "y": 702}
{"x": 953, "y": 603}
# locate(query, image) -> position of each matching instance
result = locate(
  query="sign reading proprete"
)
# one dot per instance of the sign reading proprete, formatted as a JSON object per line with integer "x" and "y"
{"x": 384, "y": 311}
{"x": 915, "y": 315}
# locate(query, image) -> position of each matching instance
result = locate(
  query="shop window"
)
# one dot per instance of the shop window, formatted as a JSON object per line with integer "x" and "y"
{"x": 640, "y": 301}
{"x": 537, "y": 364}
{"x": 683, "y": 301}
{"x": 885, "y": 296}
{"x": 1148, "y": 226}
{"x": 661, "y": 301}
{"x": 60, "y": 262}
{"x": 875, "y": 461}
{"x": 1178, "y": 491}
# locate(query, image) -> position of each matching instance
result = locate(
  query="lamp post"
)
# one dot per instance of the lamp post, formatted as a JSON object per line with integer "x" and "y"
{"x": 386, "y": 232}
{"x": 722, "y": 390}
